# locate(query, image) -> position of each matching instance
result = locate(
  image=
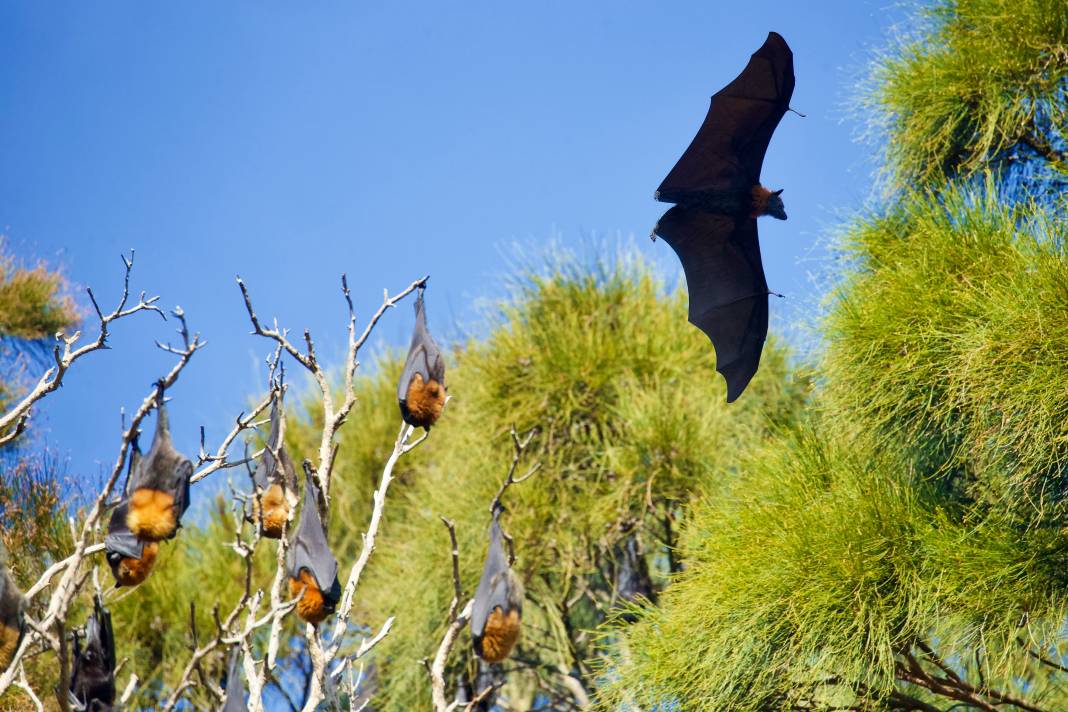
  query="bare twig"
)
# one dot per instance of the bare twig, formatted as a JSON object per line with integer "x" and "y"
{"x": 65, "y": 353}
{"x": 518, "y": 446}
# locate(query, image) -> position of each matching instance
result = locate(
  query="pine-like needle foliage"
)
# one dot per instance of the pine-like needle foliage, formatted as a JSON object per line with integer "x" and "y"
{"x": 631, "y": 417}
{"x": 950, "y": 340}
{"x": 906, "y": 548}
{"x": 983, "y": 81}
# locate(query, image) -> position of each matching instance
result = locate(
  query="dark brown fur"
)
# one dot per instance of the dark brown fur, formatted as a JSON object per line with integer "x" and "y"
{"x": 275, "y": 511}
{"x": 311, "y": 607}
{"x": 151, "y": 516}
{"x": 425, "y": 401}
{"x": 499, "y": 635}
{"x": 130, "y": 572}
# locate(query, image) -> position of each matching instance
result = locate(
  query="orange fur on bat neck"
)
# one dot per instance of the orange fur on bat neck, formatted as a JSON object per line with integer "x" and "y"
{"x": 424, "y": 401}
{"x": 130, "y": 572}
{"x": 499, "y": 635}
{"x": 275, "y": 511}
{"x": 151, "y": 515}
{"x": 312, "y": 606}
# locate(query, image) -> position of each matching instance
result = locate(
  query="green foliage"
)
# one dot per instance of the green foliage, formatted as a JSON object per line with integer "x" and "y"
{"x": 906, "y": 547}
{"x": 627, "y": 427}
{"x": 980, "y": 78}
{"x": 949, "y": 339}
{"x": 810, "y": 572}
{"x": 33, "y": 302}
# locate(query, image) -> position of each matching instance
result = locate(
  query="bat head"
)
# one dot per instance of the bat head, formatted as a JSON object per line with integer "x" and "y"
{"x": 775, "y": 208}
{"x": 309, "y": 552}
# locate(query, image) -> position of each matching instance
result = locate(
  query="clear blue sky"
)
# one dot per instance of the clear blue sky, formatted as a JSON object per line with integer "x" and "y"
{"x": 288, "y": 142}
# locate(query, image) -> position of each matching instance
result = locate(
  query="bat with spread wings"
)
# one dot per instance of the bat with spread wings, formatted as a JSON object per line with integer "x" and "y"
{"x": 716, "y": 189}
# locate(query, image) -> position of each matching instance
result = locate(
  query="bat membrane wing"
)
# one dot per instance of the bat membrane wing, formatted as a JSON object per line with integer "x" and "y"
{"x": 310, "y": 550}
{"x": 92, "y": 684}
{"x": 424, "y": 355}
{"x": 235, "y": 690}
{"x": 120, "y": 540}
{"x": 728, "y": 293}
{"x": 494, "y": 586}
{"x": 728, "y": 150}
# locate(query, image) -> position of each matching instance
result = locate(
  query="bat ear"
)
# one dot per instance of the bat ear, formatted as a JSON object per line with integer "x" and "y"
{"x": 778, "y": 192}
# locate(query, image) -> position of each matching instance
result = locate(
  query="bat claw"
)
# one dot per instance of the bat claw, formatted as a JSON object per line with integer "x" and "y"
{"x": 652, "y": 235}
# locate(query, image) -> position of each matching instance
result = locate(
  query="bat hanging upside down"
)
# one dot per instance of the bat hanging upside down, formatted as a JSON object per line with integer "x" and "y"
{"x": 421, "y": 390}
{"x": 717, "y": 194}
{"x": 159, "y": 484}
{"x": 92, "y": 680}
{"x": 275, "y": 479}
{"x": 498, "y": 607}
{"x": 12, "y": 613}
{"x": 310, "y": 565}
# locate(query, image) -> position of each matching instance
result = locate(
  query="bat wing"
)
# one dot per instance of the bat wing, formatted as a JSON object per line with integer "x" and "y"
{"x": 182, "y": 473}
{"x": 120, "y": 540}
{"x": 164, "y": 468}
{"x": 235, "y": 691}
{"x": 720, "y": 255}
{"x": 740, "y": 121}
{"x": 424, "y": 355}
{"x": 493, "y": 587}
{"x": 310, "y": 550}
{"x": 92, "y": 684}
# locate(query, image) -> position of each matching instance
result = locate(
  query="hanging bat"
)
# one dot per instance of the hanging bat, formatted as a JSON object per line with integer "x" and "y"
{"x": 311, "y": 567}
{"x": 717, "y": 194}
{"x": 160, "y": 484}
{"x": 92, "y": 680}
{"x": 275, "y": 479}
{"x": 421, "y": 391}
{"x": 235, "y": 691}
{"x": 498, "y": 607}
{"x": 131, "y": 559}
{"x": 12, "y": 613}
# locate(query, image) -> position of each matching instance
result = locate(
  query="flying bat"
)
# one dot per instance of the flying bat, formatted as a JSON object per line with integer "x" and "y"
{"x": 235, "y": 691}
{"x": 92, "y": 680}
{"x": 498, "y": 607}
{"x": 421, "y": 390}
{"x": 131, "y": 559}
{"x": 160, "y": 484}
{"x": 12, "y": 613}
{"x": 718, "y": 196}
{"x": 275, "y": 479}
{"x": 310, "y": 565}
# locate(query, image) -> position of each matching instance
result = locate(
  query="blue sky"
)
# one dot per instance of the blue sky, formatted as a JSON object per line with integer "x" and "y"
{"x": 291, "y": 142}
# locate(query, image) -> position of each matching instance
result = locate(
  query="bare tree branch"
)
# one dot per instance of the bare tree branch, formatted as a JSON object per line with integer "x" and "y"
{"x": 65, "y": 354}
